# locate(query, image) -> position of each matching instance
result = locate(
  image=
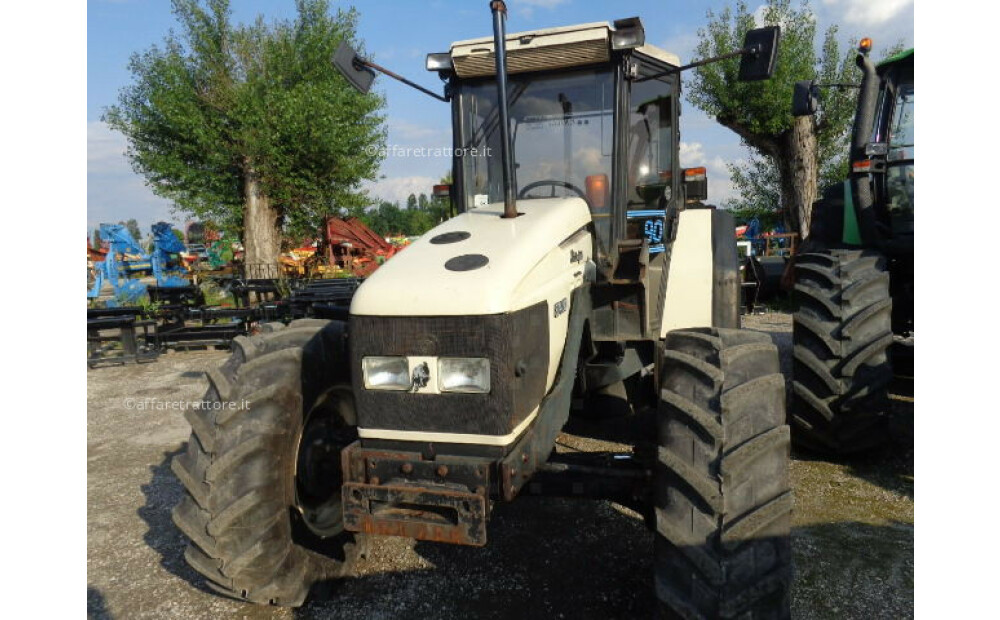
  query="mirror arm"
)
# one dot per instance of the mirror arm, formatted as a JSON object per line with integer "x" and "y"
{"x": 739, "y": 52}
{"x": 838, "y": 85}
{"x": 395, "y": 76}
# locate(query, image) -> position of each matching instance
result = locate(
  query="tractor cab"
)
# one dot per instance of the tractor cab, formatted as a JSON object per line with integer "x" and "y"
{"x": 874, "y": 206}
{"x": 892, "y": 139}
{"x": 593, "y": 122}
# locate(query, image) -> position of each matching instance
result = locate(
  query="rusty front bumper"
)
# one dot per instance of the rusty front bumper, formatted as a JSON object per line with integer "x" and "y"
{"x": 401, "y": 494}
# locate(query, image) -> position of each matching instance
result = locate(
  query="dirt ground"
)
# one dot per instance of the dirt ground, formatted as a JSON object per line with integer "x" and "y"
{"x": 547, "y": 558}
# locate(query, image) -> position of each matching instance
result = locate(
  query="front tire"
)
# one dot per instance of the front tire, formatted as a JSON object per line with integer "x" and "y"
{"x": 262, "y": 509}
{"x": 722, "y": 490}
{"x": 842, "y": 331}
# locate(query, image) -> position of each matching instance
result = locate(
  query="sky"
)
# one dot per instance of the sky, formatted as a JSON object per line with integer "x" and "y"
{"x": 399, "y": 35}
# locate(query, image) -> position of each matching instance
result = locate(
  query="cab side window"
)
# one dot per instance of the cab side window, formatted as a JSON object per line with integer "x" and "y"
{"x": 649, "y": 163}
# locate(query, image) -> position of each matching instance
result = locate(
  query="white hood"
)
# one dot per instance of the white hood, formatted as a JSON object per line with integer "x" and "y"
{"x": 416, "y": 281}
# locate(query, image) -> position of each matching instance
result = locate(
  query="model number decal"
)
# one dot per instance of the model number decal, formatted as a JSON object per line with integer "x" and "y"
{"x": 560, "y": 307}
{"x": 654, "y": 231}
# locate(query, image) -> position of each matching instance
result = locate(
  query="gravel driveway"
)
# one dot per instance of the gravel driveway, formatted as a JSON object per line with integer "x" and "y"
{"x": 547, "y": 558}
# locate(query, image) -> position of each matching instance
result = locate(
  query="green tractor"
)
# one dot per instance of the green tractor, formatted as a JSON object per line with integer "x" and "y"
{"x": 853, "y": 331}
{"x": 581, "y": 264}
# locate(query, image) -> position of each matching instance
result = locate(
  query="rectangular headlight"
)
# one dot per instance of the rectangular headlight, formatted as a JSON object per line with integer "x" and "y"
{"x": 386, "y": 373}
{"x": 464, "y": 374}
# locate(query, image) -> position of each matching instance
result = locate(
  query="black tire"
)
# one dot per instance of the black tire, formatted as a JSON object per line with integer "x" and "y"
{"x": 842, "y": 333}
{"x": 249, "y": 509}
{"x": 723, "y": 497}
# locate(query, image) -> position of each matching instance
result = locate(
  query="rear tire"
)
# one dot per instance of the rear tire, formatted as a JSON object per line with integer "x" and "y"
{"x": 842, "y": 333}
{"x": 250, "y": 509}
{"x": 722, "y": 491}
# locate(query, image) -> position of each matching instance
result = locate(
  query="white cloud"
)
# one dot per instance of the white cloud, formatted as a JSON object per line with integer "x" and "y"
{"x": 105, "y": 147}
{"x": 415, "y": 160}
{"x": 868, "y": 12}
{"x": 683, "y": 43}
{"x": 404, "y": 131}
{"x": 397, "y": 189}
{"x": 719, "y": 182}
{"x": 720, "y": 186}
{"x": 692, "y": 154}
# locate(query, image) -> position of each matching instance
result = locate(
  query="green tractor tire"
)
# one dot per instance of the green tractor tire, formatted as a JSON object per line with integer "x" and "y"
{"x": 842, "y": 333}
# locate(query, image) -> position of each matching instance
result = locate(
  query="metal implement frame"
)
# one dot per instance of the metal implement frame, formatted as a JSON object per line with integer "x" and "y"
{"x": 126, "y": 324}
{"x": 401, "y": 493}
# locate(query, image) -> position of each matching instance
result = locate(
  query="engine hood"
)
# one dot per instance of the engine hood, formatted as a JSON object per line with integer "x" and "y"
{"x": 473, "y": 263}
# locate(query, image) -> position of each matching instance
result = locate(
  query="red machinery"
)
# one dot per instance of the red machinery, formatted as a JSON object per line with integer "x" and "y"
{"x": 353, "y": 246}
{"x": 95, "y": 254}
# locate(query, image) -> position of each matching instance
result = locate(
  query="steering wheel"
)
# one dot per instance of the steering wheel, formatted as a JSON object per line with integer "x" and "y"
{"x": 530, "y": 186}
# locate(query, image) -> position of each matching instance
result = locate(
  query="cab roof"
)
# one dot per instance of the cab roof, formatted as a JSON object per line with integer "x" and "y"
{"x": 547, "y": 48}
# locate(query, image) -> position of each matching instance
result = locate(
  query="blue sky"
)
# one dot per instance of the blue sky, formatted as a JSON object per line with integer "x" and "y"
{"x": 399, "y": 34}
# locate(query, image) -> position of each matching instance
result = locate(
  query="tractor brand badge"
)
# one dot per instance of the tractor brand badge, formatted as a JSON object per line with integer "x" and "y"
{"x": 559, "y": 307}
{"x": 421, "y": 374}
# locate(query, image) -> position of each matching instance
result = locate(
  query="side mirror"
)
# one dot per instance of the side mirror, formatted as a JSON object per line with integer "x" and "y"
{"x": 760, "y": 50}
{"x": 695, "y": 184}
{"x": 350, "y": 66}
{"x": 805, "y": 98}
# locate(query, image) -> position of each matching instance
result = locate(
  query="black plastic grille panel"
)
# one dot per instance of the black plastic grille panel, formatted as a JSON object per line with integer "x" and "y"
{"x": 506, "y": 339}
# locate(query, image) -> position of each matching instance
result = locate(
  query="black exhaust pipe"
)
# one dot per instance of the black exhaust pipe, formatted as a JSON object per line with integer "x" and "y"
{"x": 506, "y": 152}
{"x": 864, "y": 123}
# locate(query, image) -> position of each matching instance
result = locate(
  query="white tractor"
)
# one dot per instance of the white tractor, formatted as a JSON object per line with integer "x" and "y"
{"x": 581, "y": 268}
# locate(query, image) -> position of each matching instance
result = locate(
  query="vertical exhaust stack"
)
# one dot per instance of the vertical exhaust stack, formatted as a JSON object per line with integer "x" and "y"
{"x": 506, "y": 151}
{"x": 864, "y": 122}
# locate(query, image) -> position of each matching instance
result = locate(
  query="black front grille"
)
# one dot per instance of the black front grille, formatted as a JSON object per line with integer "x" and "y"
{"x": 508, "y": 340}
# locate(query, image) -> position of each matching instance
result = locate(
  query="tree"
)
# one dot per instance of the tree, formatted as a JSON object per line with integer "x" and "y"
{"x": 788, "y": 153}
{"x": 133, "y": 229}
{"x": 251, "y": 126}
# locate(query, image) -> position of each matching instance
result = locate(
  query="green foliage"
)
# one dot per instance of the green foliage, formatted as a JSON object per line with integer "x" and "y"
{"x": 215, "y": 295}
{"x": 760, "y": 112}
{"x": 217, "y": 100}
{"x": 133, "y": 229}
{"x": 758, "y": 187}
{"x": 390, "y": 219}
{"x": 420, "y": 214}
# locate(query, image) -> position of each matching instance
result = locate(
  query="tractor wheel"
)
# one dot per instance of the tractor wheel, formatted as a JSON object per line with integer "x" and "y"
{"x": 723, "y": 497}
{"x": 262, "y": 470}
{"x": 842, "y": 333}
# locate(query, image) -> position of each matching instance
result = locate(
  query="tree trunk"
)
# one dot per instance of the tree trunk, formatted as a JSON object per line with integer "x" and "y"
{"x": 799, "y": 173}
{"x": 261, "y": 228}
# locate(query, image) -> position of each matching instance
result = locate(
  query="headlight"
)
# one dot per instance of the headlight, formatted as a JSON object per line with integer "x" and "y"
{"x": 386, "y": 373}
{"x": 464, "y": 374}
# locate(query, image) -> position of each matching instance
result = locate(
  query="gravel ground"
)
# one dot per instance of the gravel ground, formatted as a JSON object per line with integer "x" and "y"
{"x": 547, "y": 558}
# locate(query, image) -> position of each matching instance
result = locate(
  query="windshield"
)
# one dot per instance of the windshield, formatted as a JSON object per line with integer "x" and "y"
{"x": 561, "y": 128}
